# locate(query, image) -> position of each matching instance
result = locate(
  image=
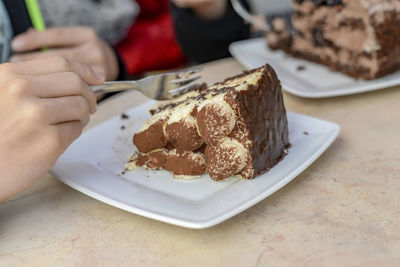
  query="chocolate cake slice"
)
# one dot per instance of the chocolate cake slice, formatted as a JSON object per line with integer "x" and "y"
{"x": 234, "y": 128}
{"x": 358, "y": 37}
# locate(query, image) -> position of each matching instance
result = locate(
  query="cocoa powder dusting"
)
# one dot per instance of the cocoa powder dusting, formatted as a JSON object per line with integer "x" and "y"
{"x": 151, "y": 138}
{"x": 188, "y": 163}
{"x": 214, "y": 122}
{"x": 183, "y": 135}
{"x": 223, "y": 162}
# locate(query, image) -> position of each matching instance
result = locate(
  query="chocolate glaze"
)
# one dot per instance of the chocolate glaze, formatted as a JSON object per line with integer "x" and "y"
{"x": 264, "y": 114}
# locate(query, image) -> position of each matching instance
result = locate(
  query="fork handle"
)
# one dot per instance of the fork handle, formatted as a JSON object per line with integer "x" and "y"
{"x": 108, "y": 87}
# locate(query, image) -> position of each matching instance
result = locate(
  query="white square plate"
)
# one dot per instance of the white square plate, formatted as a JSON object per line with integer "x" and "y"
{"x": 315, "y": 81}
{"x": 94, "y": 166}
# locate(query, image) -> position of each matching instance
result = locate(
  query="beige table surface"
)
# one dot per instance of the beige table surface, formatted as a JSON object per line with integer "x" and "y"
{"x": 344, "y": 210}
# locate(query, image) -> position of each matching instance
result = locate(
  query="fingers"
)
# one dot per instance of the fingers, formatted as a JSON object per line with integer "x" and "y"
{"x": 89, "y": 52}
{"x": 65, "y": 133}
{"x": 53, "y": 37}
{"x": 49, "y": 65}
{"x": 68, "y": 53}
{"x": 62, "y": 84}
{"x": 65, "y": 109}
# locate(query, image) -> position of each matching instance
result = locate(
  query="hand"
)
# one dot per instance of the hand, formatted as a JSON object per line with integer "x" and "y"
{"x": 208, "y": 9}
{"x": 44, "y": 105}
{"x": 78, "y": 44}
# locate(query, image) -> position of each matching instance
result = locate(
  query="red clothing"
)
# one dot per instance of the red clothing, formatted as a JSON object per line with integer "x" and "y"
{"x": 151, "y": 43}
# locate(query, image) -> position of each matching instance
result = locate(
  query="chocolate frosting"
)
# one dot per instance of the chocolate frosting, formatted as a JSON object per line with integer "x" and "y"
{"x": 264, "y": 114}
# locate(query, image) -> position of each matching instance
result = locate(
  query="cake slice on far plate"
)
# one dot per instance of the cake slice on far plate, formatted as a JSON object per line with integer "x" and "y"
{"x": 360, "y": 38}
{"x": 234, "y": 128}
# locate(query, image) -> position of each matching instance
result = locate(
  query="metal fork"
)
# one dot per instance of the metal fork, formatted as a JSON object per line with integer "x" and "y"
{"x": 162, "y": 86}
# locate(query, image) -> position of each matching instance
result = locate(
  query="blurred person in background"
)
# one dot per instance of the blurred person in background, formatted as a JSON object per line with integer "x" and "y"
{"x": 205, "y": 28}
{"x": 82, "y": 31}
{"x": 138, "y": 36}
{"x": 120, "y": 38}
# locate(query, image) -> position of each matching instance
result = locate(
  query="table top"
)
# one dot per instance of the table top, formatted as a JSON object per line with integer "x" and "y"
{"x": 343, "y": 209}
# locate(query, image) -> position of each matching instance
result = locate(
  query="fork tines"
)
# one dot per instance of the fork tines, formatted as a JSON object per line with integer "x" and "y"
{"x": 184, "y": 79}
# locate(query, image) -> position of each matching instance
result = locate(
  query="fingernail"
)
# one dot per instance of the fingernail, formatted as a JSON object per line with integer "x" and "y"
{"x": 93, "y": 109}
{"x": 17, "y": 43}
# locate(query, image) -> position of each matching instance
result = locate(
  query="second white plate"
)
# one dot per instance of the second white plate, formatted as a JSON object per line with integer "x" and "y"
{"x": 312, "y": 80}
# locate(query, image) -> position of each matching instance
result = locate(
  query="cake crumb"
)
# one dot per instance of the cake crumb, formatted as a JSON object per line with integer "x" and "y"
{"x": 300, "y": 68}
{"x": 124, "y": 116}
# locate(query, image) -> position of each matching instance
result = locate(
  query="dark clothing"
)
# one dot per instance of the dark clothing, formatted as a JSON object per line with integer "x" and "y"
{"x": 18, "y": 14}
{"x": 205, "y": 40}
